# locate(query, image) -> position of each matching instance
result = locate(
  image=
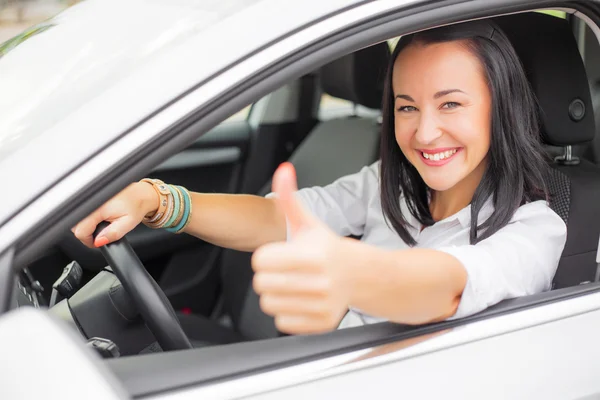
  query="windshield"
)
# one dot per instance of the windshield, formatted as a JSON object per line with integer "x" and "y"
{"x": 56, "y": 67}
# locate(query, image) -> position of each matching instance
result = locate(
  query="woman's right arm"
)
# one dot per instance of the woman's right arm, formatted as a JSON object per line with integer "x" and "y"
{"x": 240, "y": 222}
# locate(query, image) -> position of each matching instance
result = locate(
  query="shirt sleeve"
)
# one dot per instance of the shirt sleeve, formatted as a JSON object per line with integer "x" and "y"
{"x": 518, "y": 260}
{"x": 343, "y": 204}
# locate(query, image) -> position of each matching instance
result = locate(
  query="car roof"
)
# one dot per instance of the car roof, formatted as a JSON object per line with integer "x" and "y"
{"x": 80, "y": 80}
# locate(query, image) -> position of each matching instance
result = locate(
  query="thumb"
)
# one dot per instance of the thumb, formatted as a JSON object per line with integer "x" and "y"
{"x": 284, "y": 185}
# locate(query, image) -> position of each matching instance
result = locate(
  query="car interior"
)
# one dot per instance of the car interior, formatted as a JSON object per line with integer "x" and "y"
{"x": 327, "y": 124}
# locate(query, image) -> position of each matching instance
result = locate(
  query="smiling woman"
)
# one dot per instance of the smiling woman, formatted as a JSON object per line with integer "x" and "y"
{"x": 459, "y": 128}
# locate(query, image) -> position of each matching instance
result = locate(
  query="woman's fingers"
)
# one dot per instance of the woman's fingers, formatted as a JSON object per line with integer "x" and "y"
{"x": 118, "y": 228}
{"x": 84, "y": 230}
{"x": 298, "y": 286}
{"x": 123, "y": 212}
{"x": 286, "y": 282}
{"x": 301, "y": 314}
{"x": 115, "y": 231}
{"x": 298, "y": 280}
{"x": 289, "y": 256}
{"x": 273, "y": 304}
{"x": 305, "y": 324}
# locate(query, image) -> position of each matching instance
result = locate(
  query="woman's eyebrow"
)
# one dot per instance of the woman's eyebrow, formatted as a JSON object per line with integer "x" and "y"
{"x": 439, "y": 94}
{"x": 405, "y": 97}
{"x": 443, "y": 93}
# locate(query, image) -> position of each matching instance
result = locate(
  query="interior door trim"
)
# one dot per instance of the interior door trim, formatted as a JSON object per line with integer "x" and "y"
{"x": 193, "y": 158}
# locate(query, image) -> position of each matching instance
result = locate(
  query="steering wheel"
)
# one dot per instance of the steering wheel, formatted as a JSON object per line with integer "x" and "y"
{"x": 149, "y": 298}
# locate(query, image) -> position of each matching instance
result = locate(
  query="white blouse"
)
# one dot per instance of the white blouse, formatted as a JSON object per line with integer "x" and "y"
{"x": 520, "y": 259}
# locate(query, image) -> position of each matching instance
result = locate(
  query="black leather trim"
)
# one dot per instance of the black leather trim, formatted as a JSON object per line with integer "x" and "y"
{"x": 575, "y": 269}
{"x": 559, "y": 187}
{"x": 202, "y": 331}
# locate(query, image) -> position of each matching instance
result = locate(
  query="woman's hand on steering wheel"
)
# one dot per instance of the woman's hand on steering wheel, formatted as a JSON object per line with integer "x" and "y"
{"x": 124, "y": 212}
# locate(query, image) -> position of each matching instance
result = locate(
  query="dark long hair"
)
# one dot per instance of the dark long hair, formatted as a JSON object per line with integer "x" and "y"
{"x": 516, "y": 166}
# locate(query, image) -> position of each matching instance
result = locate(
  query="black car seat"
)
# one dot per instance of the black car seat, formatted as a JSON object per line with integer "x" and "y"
{"x": 334, "y": 148}
{"x": 552, "y": 61}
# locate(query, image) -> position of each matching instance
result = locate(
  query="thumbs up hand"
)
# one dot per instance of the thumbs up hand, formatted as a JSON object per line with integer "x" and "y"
{"x": 301, "y": 282}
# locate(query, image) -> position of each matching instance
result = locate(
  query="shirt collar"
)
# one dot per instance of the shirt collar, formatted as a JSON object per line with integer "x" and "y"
{"x": 463, "y": 216}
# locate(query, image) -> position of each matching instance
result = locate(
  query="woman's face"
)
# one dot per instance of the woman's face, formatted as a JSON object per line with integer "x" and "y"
{"x": 442, "y": 113}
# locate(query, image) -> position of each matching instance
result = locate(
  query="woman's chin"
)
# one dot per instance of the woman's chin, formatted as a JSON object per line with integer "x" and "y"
{"x": 439, "y": 184}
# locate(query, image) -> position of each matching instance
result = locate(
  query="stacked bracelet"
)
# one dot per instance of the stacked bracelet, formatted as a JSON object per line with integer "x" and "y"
{"x": 183, "y": 219}
{"x": 175, "y": 207}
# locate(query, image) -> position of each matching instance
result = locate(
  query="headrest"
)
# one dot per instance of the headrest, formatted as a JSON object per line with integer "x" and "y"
{"x": 552, "y": 62}
{"x": 359, "y": 76}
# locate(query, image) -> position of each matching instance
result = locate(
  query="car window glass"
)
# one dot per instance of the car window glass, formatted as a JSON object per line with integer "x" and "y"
{"x": 332, "y": 107}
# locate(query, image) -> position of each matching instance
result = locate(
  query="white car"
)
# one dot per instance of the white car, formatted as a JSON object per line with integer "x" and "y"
{"x": 214, "y": 95}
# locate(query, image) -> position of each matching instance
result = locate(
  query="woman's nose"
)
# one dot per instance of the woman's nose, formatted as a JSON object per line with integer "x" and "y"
{"x": 428, "y": 130}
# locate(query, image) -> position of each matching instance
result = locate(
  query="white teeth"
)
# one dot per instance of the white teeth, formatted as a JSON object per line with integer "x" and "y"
{"x": 439, "y": 156}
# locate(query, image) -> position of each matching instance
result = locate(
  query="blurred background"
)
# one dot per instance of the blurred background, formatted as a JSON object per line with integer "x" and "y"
{"x": 17, "y": 15}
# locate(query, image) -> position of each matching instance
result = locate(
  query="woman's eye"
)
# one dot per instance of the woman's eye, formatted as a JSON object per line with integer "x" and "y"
{"x": 407, "y": 108}
{"x": 450, "y": 104}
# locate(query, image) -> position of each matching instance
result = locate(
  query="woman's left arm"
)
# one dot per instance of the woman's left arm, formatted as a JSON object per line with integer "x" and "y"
{"x": 412, "y": 286}
{"x": 456, "y": 281}
{"x": 308, "y": 282}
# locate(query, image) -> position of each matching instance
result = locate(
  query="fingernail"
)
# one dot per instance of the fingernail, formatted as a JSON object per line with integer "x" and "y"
{"x": 288, "y": 166}
{"x": 101, "y": 241}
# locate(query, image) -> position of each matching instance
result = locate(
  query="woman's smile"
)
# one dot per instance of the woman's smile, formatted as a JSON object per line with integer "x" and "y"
{"x": 438, "y": 157}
